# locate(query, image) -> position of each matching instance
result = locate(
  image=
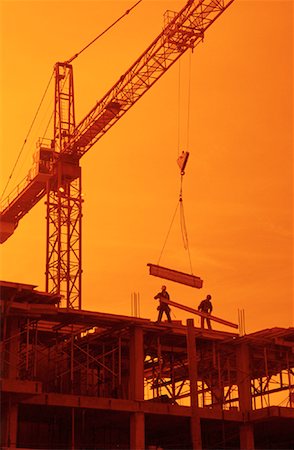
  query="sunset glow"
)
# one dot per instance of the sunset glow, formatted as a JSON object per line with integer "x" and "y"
{"x": 229, "y": 103}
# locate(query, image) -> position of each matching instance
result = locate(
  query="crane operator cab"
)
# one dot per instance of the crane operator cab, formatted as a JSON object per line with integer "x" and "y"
{"x": 44, "y": 159}
{"x": 33, "y": 186}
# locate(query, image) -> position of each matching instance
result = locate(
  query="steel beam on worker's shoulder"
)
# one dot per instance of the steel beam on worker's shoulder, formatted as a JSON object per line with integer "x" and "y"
{"x": 201, "y": 314}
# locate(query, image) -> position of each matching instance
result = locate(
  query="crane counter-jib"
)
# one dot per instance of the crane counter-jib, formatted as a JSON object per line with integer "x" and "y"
{"x": 31, "y": 193}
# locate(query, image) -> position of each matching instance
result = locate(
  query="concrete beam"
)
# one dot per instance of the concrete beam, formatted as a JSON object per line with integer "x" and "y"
{"x": 25, "y": 387}
{"x": 148, "y": 407}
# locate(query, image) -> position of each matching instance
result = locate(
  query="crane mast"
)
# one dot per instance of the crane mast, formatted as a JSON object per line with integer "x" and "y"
{"x": 57, "y": 173}
{"x": 64, "y": 198}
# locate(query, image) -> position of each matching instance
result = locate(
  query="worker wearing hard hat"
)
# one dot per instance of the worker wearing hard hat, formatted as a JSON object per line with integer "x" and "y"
{"x": 206, "y": 307}
{"x": 163, "y": 307}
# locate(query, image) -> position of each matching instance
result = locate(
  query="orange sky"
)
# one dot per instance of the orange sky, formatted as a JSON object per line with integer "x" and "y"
{"x": 238, "y": 185}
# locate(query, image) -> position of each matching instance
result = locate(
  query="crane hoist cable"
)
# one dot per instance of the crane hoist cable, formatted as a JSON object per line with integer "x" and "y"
{"x": 171, "y": 274}
{"x": 179, "y": 107}
{"x": 27, "y": 136}
{"x": 182, "y": 161}
{"x": 103, "y": 32}
{"x": 189, "y": 98}
{"x": 187, "y": 131}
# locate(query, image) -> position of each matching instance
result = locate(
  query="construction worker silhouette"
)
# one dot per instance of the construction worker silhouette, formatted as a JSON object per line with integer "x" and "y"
{"x": 206, "y": 307}
{"x": 163, "y": 307}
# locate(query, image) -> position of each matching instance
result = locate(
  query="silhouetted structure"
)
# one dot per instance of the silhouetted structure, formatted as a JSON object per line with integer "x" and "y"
{"x": 56, "y": 172}
{"x": 206, "y": 307}
{"x": 163, "y": 307}
{"x": 80, "y": 379}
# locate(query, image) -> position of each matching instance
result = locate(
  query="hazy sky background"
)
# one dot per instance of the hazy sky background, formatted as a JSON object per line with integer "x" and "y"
{"x": 235, "y": 119}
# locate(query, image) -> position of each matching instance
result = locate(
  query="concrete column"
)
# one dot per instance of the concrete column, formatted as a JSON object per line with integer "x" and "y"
{"x": 245, "y": 400}
{"x": 217, "y": 391}
{"x": 136, "y": 365}
{"x": 136, "y": 391}
{"x": 244, "y": 378}
{"x": 247, "y": 437}
{"x": 193, "y": 376}
{"x": 13, "y": 347}
{"x": 137, "y": 431}
{"x": 10, "y": 418}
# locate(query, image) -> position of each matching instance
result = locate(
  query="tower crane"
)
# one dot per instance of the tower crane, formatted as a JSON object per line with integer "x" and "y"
{"x": 56, "y": 173}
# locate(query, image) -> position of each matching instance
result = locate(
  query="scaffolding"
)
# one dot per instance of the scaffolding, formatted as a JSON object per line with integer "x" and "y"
{"x": 81, "y": 380}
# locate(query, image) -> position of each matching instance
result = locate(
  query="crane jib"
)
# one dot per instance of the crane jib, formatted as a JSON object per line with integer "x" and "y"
{"x": 83, "y": 140}
{"x": 184, "y": 31}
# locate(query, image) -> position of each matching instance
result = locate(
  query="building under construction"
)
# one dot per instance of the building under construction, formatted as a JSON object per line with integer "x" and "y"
{"x": 76, "y": 379}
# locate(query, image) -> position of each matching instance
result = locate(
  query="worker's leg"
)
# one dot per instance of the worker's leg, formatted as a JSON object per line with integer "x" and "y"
{"x": 208, "y": 324}
{"x": 160, "y": 312}
{"x": 202, "y": 322}
{"x": 168, "y": 315}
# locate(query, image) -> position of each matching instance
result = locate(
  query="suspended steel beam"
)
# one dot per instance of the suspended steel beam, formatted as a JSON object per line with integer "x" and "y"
{"x": 174, "y": 275}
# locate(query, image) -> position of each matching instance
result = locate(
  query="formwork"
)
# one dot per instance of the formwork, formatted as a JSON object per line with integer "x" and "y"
{"x": 76, "y": 379}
